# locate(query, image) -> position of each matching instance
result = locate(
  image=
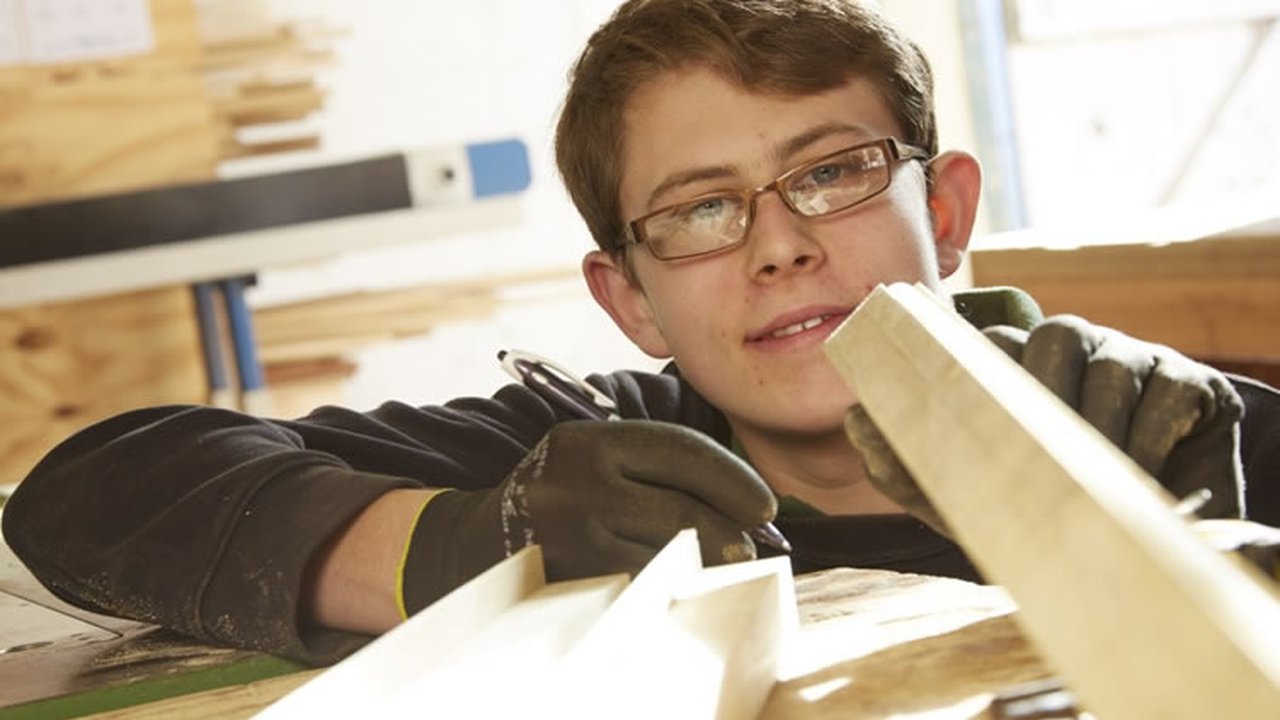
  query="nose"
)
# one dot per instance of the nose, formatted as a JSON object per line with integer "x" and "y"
{"x": 779, "y": 242}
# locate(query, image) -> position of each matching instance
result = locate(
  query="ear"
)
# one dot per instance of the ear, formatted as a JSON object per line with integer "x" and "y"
{"x": 624, "y": 299}
{"x": 953, "y": 202}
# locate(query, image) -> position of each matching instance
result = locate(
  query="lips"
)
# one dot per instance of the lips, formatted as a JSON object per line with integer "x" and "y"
{"x": 794, "y": 323}
{"x": 809, "y": 324}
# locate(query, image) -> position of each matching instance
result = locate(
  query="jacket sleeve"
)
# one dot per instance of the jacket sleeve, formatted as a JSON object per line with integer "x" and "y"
{"x": 204, "y": 520}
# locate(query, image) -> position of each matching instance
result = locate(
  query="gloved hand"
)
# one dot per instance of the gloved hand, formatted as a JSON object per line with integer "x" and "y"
{"x": 599, "y": 497}
{"x": 1178, "y": 419}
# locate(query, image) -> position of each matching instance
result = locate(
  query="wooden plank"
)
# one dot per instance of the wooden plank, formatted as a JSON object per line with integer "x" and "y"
{"x": 160, "y": 127}
{"x": 68, "y": 365}
{"x": 1226, "y": 318}
{"x": 1212, "y": 298}
{"x": 723, "y": 660}
{"x": 1251, "y": 254}
{"x": 1139, "y": 614}
{"x": 878, "y": 644}
{"x": 341, "y": 324}
{"x": 421, "y": 644}
{"x": 499, "y": 670}
{"x": 595, "y": 670}
{"x": 161, "y": 132}
{"x": 711, "y": 638}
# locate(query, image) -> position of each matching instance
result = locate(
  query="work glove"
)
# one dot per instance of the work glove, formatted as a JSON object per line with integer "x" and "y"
{"x": 600, "y": 498}
{"x": 1178, "y": 419}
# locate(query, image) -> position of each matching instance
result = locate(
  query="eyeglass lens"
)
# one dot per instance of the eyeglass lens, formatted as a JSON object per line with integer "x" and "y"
{"x": 827, "y": 185}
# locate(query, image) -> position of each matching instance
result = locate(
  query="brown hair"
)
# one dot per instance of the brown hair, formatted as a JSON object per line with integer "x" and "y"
{"x": 786, "y": 47}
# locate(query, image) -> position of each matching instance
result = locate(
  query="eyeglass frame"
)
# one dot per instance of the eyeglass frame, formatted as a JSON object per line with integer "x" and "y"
{"x": 895, "y": 149}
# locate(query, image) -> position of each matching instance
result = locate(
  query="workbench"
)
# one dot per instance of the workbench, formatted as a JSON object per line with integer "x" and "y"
{"x": 872, "y": 644}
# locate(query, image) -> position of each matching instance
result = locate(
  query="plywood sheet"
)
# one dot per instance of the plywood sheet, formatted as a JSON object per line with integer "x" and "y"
{"x": 67, "y": 365}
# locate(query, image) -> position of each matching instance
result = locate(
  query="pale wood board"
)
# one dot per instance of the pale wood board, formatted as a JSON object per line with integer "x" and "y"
{"x": 422, "y": 643}
{"x": 92, "y": 127}
{"x": 724, "y": 663}
{"x": 594, "y": 671}
{"x": 501, "y": 669}
{"x": 161, "y": 132}
{"x": 1140, "y": 615}
{"x": 710, "y": 638}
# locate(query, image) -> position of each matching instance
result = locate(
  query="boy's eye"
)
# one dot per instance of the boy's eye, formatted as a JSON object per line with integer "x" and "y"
{"x": 705, "y": 210}
{"x": 824, "y": 174}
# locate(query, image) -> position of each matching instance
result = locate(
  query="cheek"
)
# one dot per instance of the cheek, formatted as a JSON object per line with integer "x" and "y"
{"x": 896, "y": 244}
{"x": 691, "y": 308}
{"x": 690, "y": 324}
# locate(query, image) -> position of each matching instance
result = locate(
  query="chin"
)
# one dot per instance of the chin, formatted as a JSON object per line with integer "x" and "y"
{"x": 797, "y": 419}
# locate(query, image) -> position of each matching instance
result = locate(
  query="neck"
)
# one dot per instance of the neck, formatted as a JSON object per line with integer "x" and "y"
{"x": 824, "y": 471}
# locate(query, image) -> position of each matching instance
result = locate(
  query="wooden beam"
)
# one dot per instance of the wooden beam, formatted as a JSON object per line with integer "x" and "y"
{"x": 1211, "y": 298}
{"x": 424, "y": 642}
{"x": 1141, "y": 617}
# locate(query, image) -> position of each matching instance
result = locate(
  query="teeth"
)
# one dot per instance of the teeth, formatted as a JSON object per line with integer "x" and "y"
{"x": 798, "y": 327}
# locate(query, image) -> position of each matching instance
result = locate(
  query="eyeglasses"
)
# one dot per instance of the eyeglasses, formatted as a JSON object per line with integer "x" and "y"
{"x": 820, "y": 187}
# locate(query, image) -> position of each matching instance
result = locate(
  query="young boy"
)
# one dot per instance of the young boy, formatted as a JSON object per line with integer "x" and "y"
{"x": 750, "y": 171}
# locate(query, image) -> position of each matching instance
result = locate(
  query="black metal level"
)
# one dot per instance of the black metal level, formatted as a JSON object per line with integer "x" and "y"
{"x": 108, "y": 223}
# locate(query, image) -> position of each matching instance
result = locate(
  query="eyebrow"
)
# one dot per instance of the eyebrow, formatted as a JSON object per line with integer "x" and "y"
{"x": 786, "y": 150}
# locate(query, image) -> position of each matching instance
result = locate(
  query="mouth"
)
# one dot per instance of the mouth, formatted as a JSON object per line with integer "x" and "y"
{"x": 799, "y": 327}
{"x": 824, "y": 321}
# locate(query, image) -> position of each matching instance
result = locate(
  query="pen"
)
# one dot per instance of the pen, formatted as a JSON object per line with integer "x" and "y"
{"x": 565, "y": 390}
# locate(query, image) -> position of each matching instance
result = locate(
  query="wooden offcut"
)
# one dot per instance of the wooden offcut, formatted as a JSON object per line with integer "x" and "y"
{"x": 1139, "y": 615}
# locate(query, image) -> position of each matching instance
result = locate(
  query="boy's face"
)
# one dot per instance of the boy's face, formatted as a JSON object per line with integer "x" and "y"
{"x": 731, "y": 319}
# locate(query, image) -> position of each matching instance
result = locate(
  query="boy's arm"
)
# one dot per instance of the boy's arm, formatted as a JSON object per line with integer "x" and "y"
{"x": 204, "y": 520}
{"x": 353, "y": 581}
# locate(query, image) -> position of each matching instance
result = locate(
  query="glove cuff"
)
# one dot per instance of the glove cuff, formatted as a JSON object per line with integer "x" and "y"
{"x": 457, "y": 535}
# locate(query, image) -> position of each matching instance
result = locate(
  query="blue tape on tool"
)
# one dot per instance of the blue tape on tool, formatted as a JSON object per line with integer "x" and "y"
{"x": 499, "y": 167}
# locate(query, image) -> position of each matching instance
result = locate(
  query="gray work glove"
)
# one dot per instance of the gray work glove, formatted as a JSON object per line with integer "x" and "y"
{"x": 1178, "y": 419}
{"x": 599, "y": 497}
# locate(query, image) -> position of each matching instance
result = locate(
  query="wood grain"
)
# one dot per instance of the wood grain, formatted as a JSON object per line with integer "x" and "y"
{"x": 66, "y": 365}
{"x": 75, "y": 129}
{"x": 1213, "y": 298}
{"x": 1142, "y": 617}
{"x": 1225, "y": 318}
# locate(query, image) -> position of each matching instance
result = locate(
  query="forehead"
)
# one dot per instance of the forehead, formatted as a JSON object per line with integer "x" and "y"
{"x": 688, "y": 121}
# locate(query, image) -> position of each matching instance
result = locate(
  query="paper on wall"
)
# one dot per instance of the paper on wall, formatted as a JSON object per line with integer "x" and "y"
{"x": 38, "y": 32}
